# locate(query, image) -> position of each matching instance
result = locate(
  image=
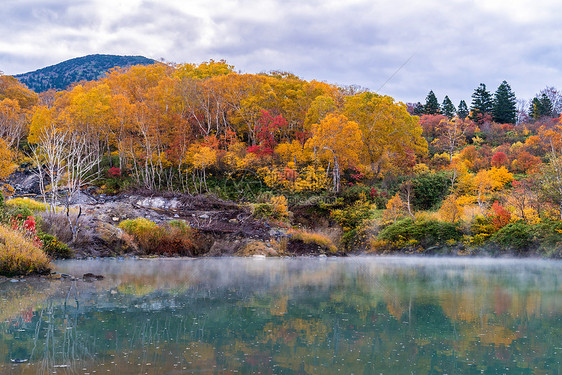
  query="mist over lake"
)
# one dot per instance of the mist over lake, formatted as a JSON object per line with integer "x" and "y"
{"x": 390, "y": 315}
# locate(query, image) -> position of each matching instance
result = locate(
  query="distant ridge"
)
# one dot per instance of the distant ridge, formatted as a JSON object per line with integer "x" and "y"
{"x": 86, "y": 68}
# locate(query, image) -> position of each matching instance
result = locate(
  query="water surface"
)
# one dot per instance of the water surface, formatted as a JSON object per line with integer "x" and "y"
{"x": 380, "y": 315}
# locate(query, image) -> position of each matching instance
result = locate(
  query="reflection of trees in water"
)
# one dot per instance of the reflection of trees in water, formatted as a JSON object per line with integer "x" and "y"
{"x": 56, "y": 343}
{"x": 361, "y": 322}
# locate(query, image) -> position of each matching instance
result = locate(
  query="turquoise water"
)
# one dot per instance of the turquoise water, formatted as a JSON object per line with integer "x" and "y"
{"x": 366, "y": 315}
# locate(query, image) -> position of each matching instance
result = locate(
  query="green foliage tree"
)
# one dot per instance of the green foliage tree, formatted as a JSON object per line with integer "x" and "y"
{"x": 504, "y": 108}
{"x": 555, "y": 98}
{"x": 541, "y": 106}
{"x": 429, "y": 190}
{"x": 462, "y": 110}
{"x": 482, "y": 103}
{"x": 516, "y": 236}
{"x": 448, "y": 108}
{"x": 425, "y": 233}
{"x": 431, "y": 106}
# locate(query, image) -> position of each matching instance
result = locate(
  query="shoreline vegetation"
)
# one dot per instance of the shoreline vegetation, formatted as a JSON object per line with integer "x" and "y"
{"x": 199, "y": 160}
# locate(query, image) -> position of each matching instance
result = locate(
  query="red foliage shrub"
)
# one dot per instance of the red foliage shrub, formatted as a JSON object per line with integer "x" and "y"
{"x": 500, "y": 216}
{"x": 500, "y": 159}
{"x": 27, "y": 227}
{"x": 114, "y": 172}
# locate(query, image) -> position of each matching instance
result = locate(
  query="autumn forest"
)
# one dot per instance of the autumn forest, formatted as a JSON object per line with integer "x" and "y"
{"x": 337, "y": 165}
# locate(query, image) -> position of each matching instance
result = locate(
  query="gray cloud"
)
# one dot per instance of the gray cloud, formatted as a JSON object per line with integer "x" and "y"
{"x": 454, "y": 45}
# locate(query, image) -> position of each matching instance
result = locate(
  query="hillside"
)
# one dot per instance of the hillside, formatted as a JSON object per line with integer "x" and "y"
{"x": 88, "y": 68}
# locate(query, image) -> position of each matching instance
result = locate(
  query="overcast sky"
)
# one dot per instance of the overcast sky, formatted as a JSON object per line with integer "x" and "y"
{"x": 449, "y": 46}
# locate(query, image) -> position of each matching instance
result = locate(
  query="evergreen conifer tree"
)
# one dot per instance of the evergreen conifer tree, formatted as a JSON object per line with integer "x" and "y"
{"x": 504, "y": 108}
{"x": 546, "y": 105}
{"x": 555, "y": 98}
{"x": 481, "y": 102}
{"x": 431, "y": 106}
{"x": 462, "y": 110}
{"x": 418, "y": 109}
{"x": 541, "y": 107}
{"x": 448, "y": 108}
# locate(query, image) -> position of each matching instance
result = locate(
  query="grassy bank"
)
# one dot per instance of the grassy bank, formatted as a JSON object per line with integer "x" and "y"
{"x": 19, "y": 255}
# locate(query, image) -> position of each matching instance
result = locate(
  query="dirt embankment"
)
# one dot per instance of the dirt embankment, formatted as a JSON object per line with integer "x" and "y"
{"x": 224, "y": 227}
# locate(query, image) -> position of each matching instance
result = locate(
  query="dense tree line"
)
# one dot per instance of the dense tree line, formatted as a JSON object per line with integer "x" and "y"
{"x": 193, "y": 127}
{"x": 501, "y": 107}
{"x": 167, "y": 125}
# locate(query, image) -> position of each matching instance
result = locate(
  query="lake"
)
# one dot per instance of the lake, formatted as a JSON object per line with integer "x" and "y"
{"x": 357, "y": 315}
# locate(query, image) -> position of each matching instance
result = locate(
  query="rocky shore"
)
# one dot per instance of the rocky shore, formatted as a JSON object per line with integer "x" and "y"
{"x": 224, "y": 227}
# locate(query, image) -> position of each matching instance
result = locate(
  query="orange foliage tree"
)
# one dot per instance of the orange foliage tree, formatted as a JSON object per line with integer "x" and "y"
{"x": 331, "y": 139}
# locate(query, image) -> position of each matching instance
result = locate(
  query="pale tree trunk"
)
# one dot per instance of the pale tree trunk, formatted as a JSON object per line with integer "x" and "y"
{"x": 336, "y": 175}
{"x": 80, "y": 163}
{"x": 51, "y": 152}
{"x": 408, "y": 191}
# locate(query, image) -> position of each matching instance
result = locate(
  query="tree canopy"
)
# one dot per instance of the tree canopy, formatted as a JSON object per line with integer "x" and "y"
{"x": 448, "y": 108}
{"x": 504, "y": 108}
{"x": 482, "y": 103}
{"x": 431, "y": 106}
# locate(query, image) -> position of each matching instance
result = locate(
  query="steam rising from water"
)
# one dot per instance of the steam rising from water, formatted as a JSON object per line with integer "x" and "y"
{"x": 256, "y": 274}
{"x": 391, "y": 315}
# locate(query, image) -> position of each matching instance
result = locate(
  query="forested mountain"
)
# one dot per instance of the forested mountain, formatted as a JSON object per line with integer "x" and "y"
{"x": 86, "y": 68}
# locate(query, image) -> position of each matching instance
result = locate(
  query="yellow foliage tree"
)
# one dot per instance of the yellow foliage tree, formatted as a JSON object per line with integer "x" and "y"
{"x": 42, "y": 118}
{"x": 395, "y": 208}
{"x": 499, "y": 177}
{"x": 319, "y": 109}
{"x": 332, "y": 138}
{"x": 200, "y": 158}
{"x": 7, "y": 165}
{"x": 386, "y": 127}
{"x": 450, "y": 210}
{"x": 293, "y": 152}
{"x": 12, "y": 121}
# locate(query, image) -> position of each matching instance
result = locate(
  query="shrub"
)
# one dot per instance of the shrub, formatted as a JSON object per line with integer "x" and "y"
{"x": 19, "y": 256}
{"x": 55, "y": 248}
{"x": 516, "y": 236}
{"x": 482, "y": 226}
{"x": 352, "y": 193}
{"x": 425, "y": 233}
{"x": 145, "y": 232}
{"x": 352, "y": 219}
{"x": 173, "y": 238}
{"x": 357, "y": 192}
{"x": 379, "y": 197}
{"x": 26, "y": 203}
{"x": 114, "y": 172}
{"x": 25, "y": 225}
{"x": 315, "y": 238}
{"x": 429, "y": 190}
{"x": 257, "y": 248}
{"x": 548, "y": 235}
{"x": 178, "y": 238}
{"x": 275, "y": 209}
{"x": 57, "y": 225}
